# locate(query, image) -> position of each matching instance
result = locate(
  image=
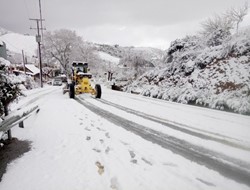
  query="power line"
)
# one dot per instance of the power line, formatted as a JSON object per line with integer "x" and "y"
{"x": 41, "y": 21}
{"x": 39, "y": 38}
{"x": 27, "y": 10}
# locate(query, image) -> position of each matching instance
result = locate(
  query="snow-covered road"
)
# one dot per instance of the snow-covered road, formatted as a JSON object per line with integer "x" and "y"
{"x": 125, "y": 141}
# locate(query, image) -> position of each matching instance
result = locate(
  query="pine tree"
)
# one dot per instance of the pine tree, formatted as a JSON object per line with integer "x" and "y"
{"x": 8, "y": 91}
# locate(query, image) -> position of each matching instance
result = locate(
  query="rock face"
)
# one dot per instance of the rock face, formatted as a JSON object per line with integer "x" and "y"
{"x": 215, "y": 76}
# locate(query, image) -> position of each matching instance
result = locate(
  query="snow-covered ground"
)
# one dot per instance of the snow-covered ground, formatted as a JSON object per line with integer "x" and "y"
{"x": 107, "y": 57}
{"x": 125, "y": 141}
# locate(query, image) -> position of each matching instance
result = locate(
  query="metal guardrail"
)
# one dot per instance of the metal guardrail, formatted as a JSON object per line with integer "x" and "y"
{"x": 16, "y": 118}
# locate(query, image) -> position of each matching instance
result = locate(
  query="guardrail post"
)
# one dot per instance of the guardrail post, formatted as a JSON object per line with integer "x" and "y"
{"x": 17, "y": 117}
{"x": 9, "y": 134}
{"x": 21, "y": 125}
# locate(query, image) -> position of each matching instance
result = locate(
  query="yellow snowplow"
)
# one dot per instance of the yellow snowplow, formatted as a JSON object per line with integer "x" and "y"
{"x": 81, "y": 81}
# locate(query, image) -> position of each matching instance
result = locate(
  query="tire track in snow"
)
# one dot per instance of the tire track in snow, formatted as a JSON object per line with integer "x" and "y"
{"x": 175, "y": 127}
{"x": 231, "y": 168}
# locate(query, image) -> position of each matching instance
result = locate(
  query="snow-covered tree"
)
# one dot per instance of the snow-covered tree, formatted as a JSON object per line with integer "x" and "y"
{"x": 135, "y": 63}
{"x": 64, "y": 46}
{"x": 237, "y": 14}
{"x": 86, "y": 53}
{"x": 216, "y": 29}
{"x": 8, "y": 91}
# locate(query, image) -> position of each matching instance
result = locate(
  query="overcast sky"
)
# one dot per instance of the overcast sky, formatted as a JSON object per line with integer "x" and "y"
{"x": 126, "y": 22}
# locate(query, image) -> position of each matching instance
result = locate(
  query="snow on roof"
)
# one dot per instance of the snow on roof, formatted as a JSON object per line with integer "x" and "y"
{"x": 1, "y": 43}
{"x": 32, "y": 68}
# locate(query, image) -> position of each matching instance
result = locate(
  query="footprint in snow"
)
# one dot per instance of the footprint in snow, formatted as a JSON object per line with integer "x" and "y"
{"x": 97, "y": 150}
{"x": 146, "y": 161}
{"x": 100, "y": 168}
{"x": 87, "y": 129}
{"x": 124, "y": 143}
{"x": 134, "y": 161}
{"x": 107, "y": 135}
{"x": 114, "y": 183}
{"x": 100, "y": 129}
{"x": 132, "y": 155}
{"x": 169, "y": 164}
{"x": 107, "y": 150}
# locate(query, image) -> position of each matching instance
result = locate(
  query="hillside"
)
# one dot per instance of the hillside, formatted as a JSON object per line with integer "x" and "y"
{"x": 109, "y": 58}
{"x": 3, "y": 31}
{"x": 153, "y": 55}
{"x": 110, "y": 55}
{"x": 17, "y": 42}
{"x": 195, "y": 73}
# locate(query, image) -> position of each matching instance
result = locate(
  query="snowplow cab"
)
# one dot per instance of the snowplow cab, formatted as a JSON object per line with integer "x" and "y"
{"x": 81, "y": 81}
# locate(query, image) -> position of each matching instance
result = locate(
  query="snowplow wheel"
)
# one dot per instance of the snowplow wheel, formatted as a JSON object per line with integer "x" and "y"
{"x": 98, "y": 91}
{"x": 71, "y": 91}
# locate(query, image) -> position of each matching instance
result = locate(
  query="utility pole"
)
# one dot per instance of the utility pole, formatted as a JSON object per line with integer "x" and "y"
{"x": 41, "y": 21}
{"x": 23, "y": 63}
{"x": 24, "y": 70}
{"x": 38, "y": 40}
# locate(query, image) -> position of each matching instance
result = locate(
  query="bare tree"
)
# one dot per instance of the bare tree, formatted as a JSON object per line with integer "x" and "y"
{"x": 237, "y": 14}
{"x": 216, "y": 29}
{"x": 59, "y": 47}
{"x": 64, "y": 46}
{"x": 223, "y": 22}
{"x": 85, "y": 52}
